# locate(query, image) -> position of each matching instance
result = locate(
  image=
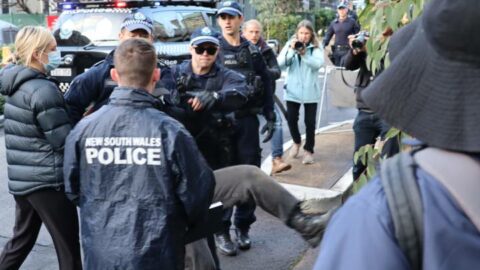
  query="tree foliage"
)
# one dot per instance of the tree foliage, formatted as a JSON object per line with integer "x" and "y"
{"x": 280, "y": 17}
{"x": 383, "y": 17}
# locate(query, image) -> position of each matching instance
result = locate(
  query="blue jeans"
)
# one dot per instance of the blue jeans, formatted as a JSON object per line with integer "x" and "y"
{"x": 277, "y": 138}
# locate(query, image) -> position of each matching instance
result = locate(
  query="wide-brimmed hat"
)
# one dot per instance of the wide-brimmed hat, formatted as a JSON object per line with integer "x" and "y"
{"x": 432, "y": 88}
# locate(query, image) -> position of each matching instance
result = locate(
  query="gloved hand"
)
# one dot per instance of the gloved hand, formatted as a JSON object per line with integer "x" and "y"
{"x": 269, "y": 126}
{"x": 203, "y": 100}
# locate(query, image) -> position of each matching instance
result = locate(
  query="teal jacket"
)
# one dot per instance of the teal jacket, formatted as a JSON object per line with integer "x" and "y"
{"x": 302, "y": 85}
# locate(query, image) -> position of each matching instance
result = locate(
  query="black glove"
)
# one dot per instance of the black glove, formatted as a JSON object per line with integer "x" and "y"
{"x": 269, "y": 126}
{"x": 207, "y": 98}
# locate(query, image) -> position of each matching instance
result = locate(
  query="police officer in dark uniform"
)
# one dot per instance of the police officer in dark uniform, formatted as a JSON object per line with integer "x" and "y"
{"x": 207, "y": 92}
{"x": 242, "y": 56}
{"x": 91, "y": 89}
{"x": 135, "y": 173}
{"x": 342, "y": 27}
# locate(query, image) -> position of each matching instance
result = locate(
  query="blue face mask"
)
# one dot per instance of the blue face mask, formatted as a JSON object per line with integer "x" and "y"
{"x": 54, "y": 60}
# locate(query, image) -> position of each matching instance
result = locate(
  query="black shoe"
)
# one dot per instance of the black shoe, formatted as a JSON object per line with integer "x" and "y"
{"x": 310, "y": 226}
{"x": 225, "y": 244}
{"x": 243, "y": 240}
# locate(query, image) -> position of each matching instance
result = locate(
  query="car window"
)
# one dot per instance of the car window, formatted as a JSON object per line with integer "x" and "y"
{"x": 79, "y": 29}
{"x": 171, "y": 26}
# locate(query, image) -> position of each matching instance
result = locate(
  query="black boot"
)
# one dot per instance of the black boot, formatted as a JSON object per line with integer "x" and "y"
{"x": 310, "y": 226}
{"x": 225, "y": 244}
{"x": 243, "y": 240}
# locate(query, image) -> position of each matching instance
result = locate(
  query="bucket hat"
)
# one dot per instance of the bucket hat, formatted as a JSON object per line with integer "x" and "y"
{"x": 432, "y": 88}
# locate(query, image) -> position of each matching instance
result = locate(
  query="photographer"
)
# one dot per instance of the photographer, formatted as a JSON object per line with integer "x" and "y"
{"x": 367, "y": 126}
{"x": 302, "y": 57}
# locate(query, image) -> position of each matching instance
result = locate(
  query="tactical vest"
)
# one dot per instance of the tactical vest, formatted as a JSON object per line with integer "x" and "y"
{"x": 243, "y": 62}
{"x": 197, "y": 122}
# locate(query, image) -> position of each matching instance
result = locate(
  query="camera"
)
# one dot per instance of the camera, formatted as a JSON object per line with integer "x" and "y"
{"x": 360, "y": 40}
{"x": 299, "y": 46}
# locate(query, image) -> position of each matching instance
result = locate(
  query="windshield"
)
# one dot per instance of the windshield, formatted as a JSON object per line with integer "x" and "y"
{"x": 79, "y": 29}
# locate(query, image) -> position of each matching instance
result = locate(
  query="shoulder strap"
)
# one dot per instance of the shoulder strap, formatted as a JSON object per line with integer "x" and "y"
{"x": 405, "y": 204}
{"x": 459, "y": 174}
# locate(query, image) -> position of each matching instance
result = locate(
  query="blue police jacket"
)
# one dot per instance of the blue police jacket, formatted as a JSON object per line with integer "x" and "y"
{"x": 95, "y": 86}
{"x": 361, "y": 234}
{"x": 139, "y": 181}
{"x": 247, "y": 58}
{"x": 229, "y": 85}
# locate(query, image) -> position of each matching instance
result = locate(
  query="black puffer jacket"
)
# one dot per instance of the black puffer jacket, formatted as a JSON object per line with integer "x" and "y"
{"x": 36, "y": 125}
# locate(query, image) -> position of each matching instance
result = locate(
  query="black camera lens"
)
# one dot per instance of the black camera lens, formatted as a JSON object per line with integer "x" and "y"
{"x": 299, "y": 45}
{"x": 357, "y": 44}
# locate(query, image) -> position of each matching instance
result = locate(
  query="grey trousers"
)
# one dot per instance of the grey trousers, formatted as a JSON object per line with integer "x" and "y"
{"x": 237, "y": 185}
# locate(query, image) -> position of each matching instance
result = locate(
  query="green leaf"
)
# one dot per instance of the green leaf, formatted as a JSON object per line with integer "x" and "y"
{"x": 392, "y": 132}
{"x": 363, "y": 157}
{"x": 355, "y": 156}
{"x": 371, "y": 171}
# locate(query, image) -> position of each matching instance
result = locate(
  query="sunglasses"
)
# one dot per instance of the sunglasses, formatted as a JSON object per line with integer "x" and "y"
{"x": 210, "y": 50}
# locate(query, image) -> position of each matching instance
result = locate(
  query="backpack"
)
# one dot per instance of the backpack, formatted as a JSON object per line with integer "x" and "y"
{"x": 404, "y": 199}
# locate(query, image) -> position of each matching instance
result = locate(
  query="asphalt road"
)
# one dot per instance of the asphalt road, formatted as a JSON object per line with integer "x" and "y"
{"x": 275, "y": 246}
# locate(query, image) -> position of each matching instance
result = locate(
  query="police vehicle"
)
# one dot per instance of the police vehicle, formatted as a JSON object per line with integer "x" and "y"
{"x": 87, "y": 30}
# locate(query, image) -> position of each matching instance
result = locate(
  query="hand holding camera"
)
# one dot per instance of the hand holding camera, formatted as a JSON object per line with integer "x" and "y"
{"x": 358, "y": 42}
{"x": 298, "y": 46}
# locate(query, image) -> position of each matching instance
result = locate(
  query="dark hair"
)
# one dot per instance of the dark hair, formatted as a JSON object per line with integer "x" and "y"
{"x": 135, "y": 59}
{"x": 307, "y": 24}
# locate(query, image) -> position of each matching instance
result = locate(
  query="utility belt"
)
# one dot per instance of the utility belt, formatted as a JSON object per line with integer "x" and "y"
{"x": 340, "y": 48}
{"x": 247, "y": 112}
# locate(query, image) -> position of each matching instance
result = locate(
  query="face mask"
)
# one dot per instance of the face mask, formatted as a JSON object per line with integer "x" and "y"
{"x": 54, "y": 60}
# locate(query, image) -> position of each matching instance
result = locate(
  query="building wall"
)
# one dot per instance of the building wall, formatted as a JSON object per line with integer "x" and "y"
{"x": 35, "y": 6}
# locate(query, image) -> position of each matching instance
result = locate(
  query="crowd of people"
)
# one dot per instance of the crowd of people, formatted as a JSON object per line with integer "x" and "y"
{"x": 144, "y": 150}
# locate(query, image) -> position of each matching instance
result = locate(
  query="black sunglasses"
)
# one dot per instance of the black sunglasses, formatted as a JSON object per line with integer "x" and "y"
{"x": 210, "y": 50}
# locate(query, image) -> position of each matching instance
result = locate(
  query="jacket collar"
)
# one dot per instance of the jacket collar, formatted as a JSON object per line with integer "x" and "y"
{"x": 109, "y": 58}
{"x": 127, "y": 96}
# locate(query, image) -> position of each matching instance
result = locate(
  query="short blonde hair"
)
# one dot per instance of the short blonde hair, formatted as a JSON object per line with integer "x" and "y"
{"x": 31, "y": 39}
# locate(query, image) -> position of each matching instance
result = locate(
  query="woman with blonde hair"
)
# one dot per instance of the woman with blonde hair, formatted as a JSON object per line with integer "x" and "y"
{"x": 36, "y": 125}
{"x": 302, "y": 58}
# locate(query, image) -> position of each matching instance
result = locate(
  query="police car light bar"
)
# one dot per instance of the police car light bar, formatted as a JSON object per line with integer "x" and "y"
{"x": 72, "y": 4}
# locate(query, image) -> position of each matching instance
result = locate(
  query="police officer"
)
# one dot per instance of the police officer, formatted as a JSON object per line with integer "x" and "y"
{"x": 136, "y": 173}
{"x": 341, "y": 27}
{"x": 207, "y": 92}
{"x": 240, "y": 55}
{"x": 93, "y": 87}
